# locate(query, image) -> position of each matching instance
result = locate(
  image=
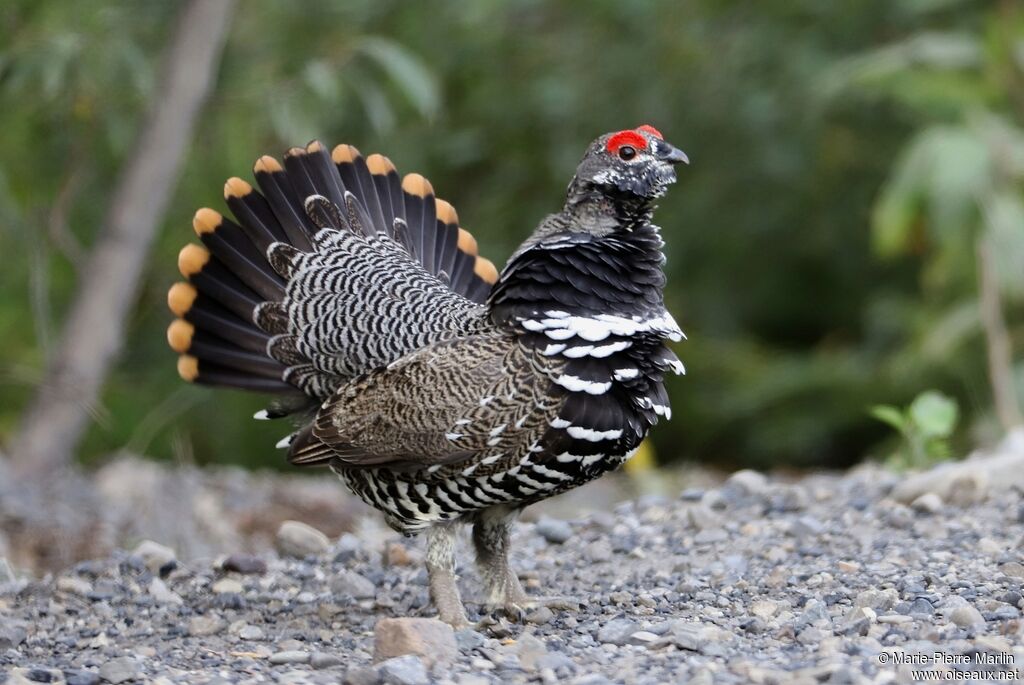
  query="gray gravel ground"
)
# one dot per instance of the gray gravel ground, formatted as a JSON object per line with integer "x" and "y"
{"x": 825, "y": 580}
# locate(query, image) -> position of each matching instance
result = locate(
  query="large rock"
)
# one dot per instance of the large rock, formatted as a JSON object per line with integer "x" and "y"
{"x": 429, "y": 638}
{"x": 971, "y": 480}
{"x": 296, "y": 539}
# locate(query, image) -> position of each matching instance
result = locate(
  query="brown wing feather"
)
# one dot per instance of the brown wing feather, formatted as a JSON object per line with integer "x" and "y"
{"x": 470, "y": 397}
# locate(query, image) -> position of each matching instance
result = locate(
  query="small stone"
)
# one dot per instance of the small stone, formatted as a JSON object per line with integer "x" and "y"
{"x": 617, "y": 631}
{"x": 921, "y": 607}
{"x": 252, "y": 633}
{"x": 247, "y": 564}
{"x": 74, "y": 586}
{"x": 398, "y": 554}
{"x": 154, "y": 555}
{"x": 362, "y": 676}
{"x": 226, "y": 586}
{"x": 297, "y": 539}
{"x": 159, "y": 591}
{"x": 429, "y": 638}
{"x": 11, "y": 636}
{"x": 289, "y": 657}
{"x": 468, "y": 639}
{"x": 42, "y": 675}
{"x": 847, "y": 566}
{"x": 807, "y": 526}
{"x": 322, "y": 660}
{"x": 1012, "y": 569}
{"x": 555, "y": 531}
{"x": 928, "y": 503}
{"x": 403, "y": 670}
{"x": 702, "y": 517}
{"x": 764, "y": 608}
{"x": 347, "y": 548}
{"x": 204, "y": 626}
{"x": 529, "y": 649}
{"x": 967, "y": 617}
{"x": 83, "y": 678}
{"x": 120, "y": 670}
{"x": 352, "y": 584}
{"x": 746, "y": 482}
{"x": 598, "y": 551}
{"x": 539, "y": 616}
{"x": 643, "y": 637}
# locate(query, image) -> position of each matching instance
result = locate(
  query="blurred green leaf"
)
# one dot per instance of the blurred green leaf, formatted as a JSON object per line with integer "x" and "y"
{"x": 934, "y": 414}
{"x": 413, "y": 78}
{"x": 889, "y": 415}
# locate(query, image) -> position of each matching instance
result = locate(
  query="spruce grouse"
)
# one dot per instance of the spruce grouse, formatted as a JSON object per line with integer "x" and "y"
{"x": 439, "y": 390}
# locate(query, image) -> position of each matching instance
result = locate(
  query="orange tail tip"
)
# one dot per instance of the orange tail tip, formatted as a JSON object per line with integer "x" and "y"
{"x": 236, "y": 187}
{"x": 267, "y": 164}
{"x": 179, "y": 335}
{"x": 188, "y": 367}
{"x": 206, "y": 220}
{"x": 379, "y": 165}
{"x": 344, "y": 154}
{"x": 192, "y": 259}
{"x": 485, "y": 269}
{"x": 180, "y": 298}
{"x": 446, "y": 213}
{"x": 314, "y": 146}
{"x": 467, "y": 243}
{"x": 416, "y": 184}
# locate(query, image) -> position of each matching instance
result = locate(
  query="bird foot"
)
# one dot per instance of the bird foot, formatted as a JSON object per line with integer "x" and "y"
{"x": 517, "y": 609}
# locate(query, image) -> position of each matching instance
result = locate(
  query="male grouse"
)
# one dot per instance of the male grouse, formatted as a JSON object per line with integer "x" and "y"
{"x": 439, "y": 390}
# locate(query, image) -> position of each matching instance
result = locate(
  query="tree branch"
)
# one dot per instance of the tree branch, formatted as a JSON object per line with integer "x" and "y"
{"x": 93, "y": 334}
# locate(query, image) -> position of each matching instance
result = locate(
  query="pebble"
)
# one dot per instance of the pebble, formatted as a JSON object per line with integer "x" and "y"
{"x": 555, "y": 531}
{"x": 617, "y": 631}
{"x": 74, "y": 586}
{"x": 424, "y": 637}
{"x": 529, "y": 649}
{"x": 83, "y": 678}
{"x": 322, "y": 660}
{"x": 598, "y": 551}
{"x": 246, "y": 564}
{"x": 350, "y": 583}
{"x": 159, "y": 591}
{"x": 205, "y": 625}
{"x": 226, "y": 586}
{"x": 697, "y": 590}
{"x": 297, "y": 539}
{"x": 967, "y": 617}
{"x": 252, "y": 633}
{"x": 120, "y": 670}
{"x": 928, "y": 503}
{"x": 154, "y": 555}
{"x": 289, "y": 657}
{"x": 404, "y": 670}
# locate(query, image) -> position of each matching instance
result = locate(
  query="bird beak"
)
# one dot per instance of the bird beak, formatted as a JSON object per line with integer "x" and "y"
{"x": 670, "y": 153}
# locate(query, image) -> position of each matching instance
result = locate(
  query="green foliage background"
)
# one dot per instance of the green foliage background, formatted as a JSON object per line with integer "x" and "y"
{"x": 794, "y": 113}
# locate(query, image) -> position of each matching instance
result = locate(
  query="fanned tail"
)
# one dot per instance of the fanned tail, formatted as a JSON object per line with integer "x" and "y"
{"x": 234, "y": 327}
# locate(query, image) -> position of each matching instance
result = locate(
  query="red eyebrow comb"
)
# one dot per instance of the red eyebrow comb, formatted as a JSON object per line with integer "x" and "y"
{"x": 647, "y": 128}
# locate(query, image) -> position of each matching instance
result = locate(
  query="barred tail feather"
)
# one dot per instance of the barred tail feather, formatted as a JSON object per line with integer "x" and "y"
{"x": 232, "y": 324}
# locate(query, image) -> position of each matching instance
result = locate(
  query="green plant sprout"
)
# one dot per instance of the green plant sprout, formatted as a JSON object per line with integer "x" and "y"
{"x": 925, "y": 427}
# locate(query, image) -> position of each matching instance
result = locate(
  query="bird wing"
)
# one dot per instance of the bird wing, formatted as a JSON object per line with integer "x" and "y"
{"x": 477, "y": 397}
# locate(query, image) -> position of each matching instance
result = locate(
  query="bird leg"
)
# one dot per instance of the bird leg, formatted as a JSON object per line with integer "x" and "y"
{"x": 491, "y": 536}
{"x": 491, "y": 533}
{"x": 444, "y": 590}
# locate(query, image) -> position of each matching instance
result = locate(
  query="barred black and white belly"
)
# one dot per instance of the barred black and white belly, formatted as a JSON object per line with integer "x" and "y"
{"x": 412, "y": 502}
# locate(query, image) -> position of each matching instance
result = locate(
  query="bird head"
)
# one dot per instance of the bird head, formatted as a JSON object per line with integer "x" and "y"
{"x": 637, "y": 162}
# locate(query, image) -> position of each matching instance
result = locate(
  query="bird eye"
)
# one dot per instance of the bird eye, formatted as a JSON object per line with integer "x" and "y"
{"x": 627, "y": 152}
